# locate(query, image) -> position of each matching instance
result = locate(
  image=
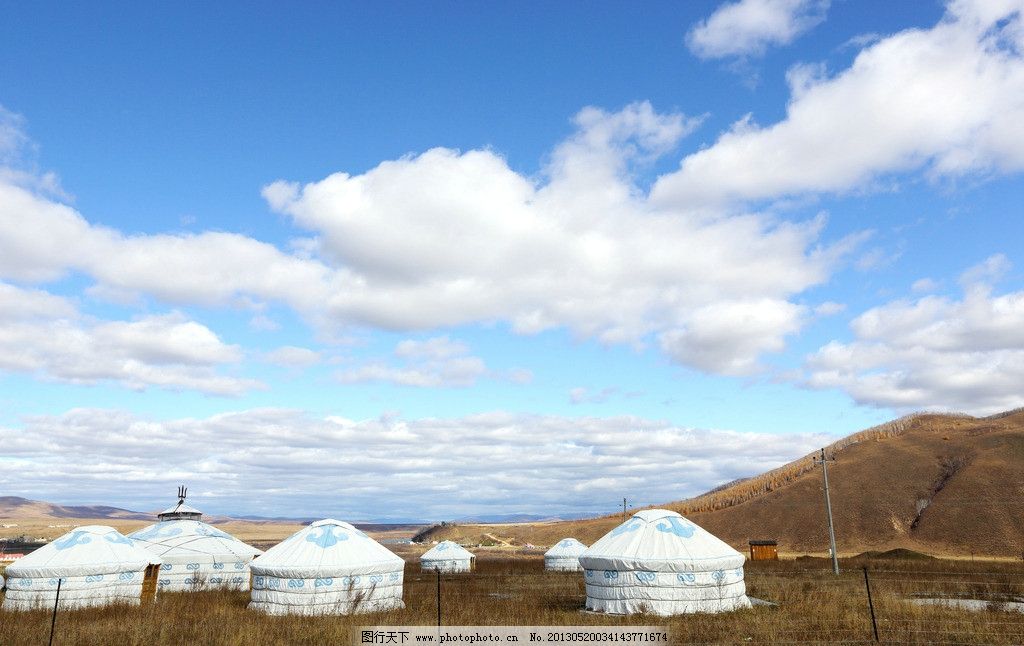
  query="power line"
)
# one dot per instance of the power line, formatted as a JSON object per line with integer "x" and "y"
{"x": 828, "y": 509}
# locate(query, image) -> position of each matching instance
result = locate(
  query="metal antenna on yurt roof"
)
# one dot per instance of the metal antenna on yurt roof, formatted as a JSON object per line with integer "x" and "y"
{"x": 181, "y": 511}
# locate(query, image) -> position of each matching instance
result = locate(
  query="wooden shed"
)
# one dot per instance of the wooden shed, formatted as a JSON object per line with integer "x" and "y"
{"x": 764, "y": 550}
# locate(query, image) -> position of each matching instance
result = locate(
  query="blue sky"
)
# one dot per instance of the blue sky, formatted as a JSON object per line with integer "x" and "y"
{"x": 405, "y": 260}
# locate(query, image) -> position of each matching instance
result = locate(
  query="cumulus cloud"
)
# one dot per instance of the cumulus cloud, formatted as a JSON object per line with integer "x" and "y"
{"x": 948, "y": 100}
{"x": 42, "y": 240}
{"x": 286, "y": 462}
{"x": 432, "y": 363}
{"x": 449, "y": 238}
{"x": 290, "y": 356}
{"x": 934, "y": 352}
{"x": 45, "y": 335}
{"x": 749, "y": 27}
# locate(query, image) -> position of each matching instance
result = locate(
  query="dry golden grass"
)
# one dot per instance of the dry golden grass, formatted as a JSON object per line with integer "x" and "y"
{"x": 814, "y": 606}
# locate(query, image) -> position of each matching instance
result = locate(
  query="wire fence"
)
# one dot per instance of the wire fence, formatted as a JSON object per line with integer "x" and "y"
{"x": 810, "y": 606}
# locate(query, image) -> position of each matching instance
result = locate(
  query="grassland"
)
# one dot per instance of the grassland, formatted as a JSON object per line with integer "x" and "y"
{"x": 813, "y": 606}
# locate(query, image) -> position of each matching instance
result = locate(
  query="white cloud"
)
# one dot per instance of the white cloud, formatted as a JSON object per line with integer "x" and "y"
{"x": 286, "y": 462}
{"x": 582, "y": 395}
{"x": 988, "y": 271}
{"x": 949, "y": 100}
{"x": 749, "y": 27}
{"x": 447, "y": 238}
{"x": 436, "y": 349}
{"x": 45, "y": 335}
{"x": 933, "y": 353}
{"x": 728, "y": 337}
{"x": 290, "y": 356}
{"x": 829, "y": 308}
{"x": 432, "y": 363}
{"x": 924, "y": 285}
{"x": 519, "y": 376}
{"x": 876, "y": 258}
{"x": 41, "y": 240}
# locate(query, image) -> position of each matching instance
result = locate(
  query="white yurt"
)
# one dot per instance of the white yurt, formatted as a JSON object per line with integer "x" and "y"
{"x": 96, "y": 565}
{"x": 564, "y": 555}
{"x": 195, "y": 555}
{"x": 659, "y": 562}
{"x": 447, "y": 556}
{"x": 329, "y": 567}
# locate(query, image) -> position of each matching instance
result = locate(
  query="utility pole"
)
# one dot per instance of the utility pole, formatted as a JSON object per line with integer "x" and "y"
{"x": 623, "y": 510}
{"x": 828, "y": 510}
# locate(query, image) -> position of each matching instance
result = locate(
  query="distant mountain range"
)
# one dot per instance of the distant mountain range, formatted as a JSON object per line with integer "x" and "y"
{"x": 521, "y": 518}
{"x": 15, "y": 507}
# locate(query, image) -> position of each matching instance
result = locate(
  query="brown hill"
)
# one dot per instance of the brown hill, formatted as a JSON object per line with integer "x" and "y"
{"x": 940, "y": 484}
{"x": 15, "y": 507}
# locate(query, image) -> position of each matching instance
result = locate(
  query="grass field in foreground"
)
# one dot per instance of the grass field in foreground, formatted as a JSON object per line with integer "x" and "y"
{"x": 814, "y": 606}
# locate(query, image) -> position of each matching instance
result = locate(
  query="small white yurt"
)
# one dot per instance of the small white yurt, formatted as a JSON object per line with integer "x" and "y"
{"x": 447, "y": 556}
{"x": 195, "y": 555}
{"x": 96, "y": 565}
{"x": 659, "y": 562}
{"x": 564, "y": 555}
{"x": 329, "y": 567}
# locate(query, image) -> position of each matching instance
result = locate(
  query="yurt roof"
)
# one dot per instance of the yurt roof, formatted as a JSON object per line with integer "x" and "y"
{"x": 327, "y": 548}
{"x": 183, "y": 537}
{"x": 662, "y": 541}
{"x": 567, "y": 547}
{"x": 447, "y": 551}
{"x": 180, "y": 508}
{"x": 82, "y": 551}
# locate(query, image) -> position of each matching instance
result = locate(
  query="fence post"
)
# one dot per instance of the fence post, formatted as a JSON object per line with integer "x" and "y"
{"x": 56, "y": 600}
{"x": 438, "y": 570}
{"x": 871, "y": 605}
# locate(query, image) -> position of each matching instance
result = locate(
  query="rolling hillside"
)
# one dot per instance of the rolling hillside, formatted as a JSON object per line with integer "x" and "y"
{"x": 15, "y": 507}
{"x": 942, "y": 484}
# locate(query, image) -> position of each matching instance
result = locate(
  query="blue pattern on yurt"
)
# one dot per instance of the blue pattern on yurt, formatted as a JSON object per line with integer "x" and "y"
{"x": 155, "y": 532}
{"x": 646, "y": 577}
{"x": 327, "y": 537}
{"x": 323, "y": 583}
{"x": 630, "y": 525}
{"x": 117, "y": 539}
{"x": 676, "y": 526}
{"x": 77, "y": 537}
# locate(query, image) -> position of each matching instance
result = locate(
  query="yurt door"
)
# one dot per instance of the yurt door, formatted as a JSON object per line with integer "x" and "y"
{"x": 149, "y": 582}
